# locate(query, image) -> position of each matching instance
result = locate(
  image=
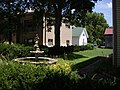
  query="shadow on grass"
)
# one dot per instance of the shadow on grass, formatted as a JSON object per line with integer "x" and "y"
{"x": 73, "y": 56}
{"x": 80, "y": 65}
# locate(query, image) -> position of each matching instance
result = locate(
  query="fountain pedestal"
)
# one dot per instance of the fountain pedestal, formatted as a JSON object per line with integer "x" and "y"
{"x": 37, "y": 51}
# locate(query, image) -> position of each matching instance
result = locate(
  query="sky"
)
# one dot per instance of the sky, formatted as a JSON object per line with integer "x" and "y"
{"x": 105, "y": 7}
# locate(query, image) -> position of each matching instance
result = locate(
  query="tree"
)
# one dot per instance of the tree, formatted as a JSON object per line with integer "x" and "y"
{"x": 63, "y": 8}
{"x": 57, "y": 8}
{"x": 95, "y": 24}
{"x": 10, "y": 12}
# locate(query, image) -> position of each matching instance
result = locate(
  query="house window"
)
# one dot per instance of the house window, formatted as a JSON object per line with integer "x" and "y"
{"x": 83, "y": 34}
{"x": 67, "y": 42}
{"x": 50, "y": 41}
{"x": 67, "y": 25}
{"x": 30, "y": 40}
{"x": 28, "y": 25}
{"x": 49, "y": 29}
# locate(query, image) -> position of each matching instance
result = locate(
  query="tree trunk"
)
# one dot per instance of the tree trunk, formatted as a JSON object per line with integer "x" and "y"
{"x": 18, "y": 31}
{"x": 58, "y": 18}
{"x": 10, "y": 37}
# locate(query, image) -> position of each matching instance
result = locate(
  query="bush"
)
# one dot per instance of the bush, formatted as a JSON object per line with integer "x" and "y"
{"x": 14, "y": 76}
{"x": 24, "y": 51}
{"x": 58, "y": 51}
{"x": 59, "y": 77}
{"x": 44, "y": 48}
{"x": 14, "y": 50}
{"x": 83, "y": 47}
{"x": 86, "y": 47}
{"x": 76, "y": 48}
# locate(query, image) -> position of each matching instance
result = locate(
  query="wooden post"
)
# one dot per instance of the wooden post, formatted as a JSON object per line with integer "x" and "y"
{"x": 116, "y": 33}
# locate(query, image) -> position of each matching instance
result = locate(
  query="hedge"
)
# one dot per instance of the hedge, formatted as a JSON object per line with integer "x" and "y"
{"x": 15, "y": 76}
{"x": 14, "y": 50}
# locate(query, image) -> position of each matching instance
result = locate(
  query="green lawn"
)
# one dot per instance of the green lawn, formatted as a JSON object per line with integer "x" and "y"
{"x": 81, "y": 56}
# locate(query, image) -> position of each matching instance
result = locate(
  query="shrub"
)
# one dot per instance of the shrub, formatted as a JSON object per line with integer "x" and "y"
{"x": 14, "y": 50}
{"x": 59, "y": 51}
{"x": 15, "y": 76}
{"x": 82, "y": 48}
{"x": 44, "y": 48}
{"x": 76, "y": 48}
{"x": 66, "y": 68}
{"x": 59, "y": 77}
{"x": 86, "y": 47}
{"x": 24, "y": 51}
{"x": 90, "y": 47}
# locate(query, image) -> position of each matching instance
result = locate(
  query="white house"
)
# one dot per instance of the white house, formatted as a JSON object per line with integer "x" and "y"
{"x": 79, "y": 36}
{"x": 65, "y": 36}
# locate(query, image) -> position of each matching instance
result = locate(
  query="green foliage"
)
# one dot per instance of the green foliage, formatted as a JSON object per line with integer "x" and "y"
{"x": 19, "y": 77}
{"x": 14, "y": 50}
{"x": 58, "y": 51}
{"x": 60, "y": 77}
{"x": 10, "y": 22}
{"x": 66, "y": 68}
{"x": 95, "y": 24}
{"x": 96, "y": 52}
{"x": 86, "y": 47}
{"x": 76, "y": 48}
{"x": 15, "y": 76}
{"x": 12, "y": 9}
{"x": 28, "y": 77}
{"x": 83, "y": 47}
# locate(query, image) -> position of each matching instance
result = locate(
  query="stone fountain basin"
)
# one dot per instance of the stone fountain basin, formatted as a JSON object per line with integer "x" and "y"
{"x": 37, "y": 52}
{"x": 32, "y": 60}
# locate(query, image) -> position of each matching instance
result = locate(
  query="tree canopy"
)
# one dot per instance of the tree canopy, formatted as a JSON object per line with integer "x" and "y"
{"x": 57, "y": 9}
{"x": 95, "y": 24}
{"x": 63, "y": 8}
{"x": 9, "y": 14}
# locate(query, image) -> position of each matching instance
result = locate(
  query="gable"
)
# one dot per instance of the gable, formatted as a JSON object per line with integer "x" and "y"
{"x": 77, "y": 32}
{"x": 108, "y": 31}
{"x": 85, "y": 31}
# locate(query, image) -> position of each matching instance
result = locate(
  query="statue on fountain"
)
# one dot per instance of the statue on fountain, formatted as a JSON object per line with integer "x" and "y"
{"x": 36, "y": 42}
{"x": 37, "y": 51}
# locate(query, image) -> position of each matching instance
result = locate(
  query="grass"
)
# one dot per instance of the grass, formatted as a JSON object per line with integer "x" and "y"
{"x": 78, "y": 57}
{"x": 96, "y": 52}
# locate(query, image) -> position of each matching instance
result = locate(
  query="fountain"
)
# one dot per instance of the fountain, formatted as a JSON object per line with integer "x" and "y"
{"x": 36, "y": 60}
{"x": 37, "y": 51}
